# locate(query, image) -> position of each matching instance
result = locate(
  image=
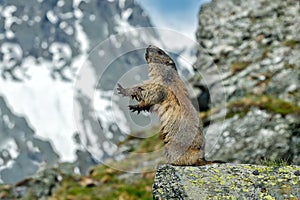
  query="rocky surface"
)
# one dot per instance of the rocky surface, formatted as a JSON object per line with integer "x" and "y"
{"x": 40, "y": 186}
{"x": 250, "y": 60}
{"x": 226, "y": 181}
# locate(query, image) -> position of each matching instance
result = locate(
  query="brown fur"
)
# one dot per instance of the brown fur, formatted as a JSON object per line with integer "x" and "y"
{"x": 166, "y": 94}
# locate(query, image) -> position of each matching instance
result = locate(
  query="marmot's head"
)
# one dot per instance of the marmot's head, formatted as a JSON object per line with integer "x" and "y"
{"x": 157, "y": 56}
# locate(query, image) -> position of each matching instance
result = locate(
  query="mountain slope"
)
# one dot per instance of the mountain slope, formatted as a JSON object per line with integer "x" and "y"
{"x": 44, "y": 46}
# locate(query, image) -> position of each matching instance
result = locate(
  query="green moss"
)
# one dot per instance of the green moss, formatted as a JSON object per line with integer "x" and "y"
{"x": 290, "y": 66}
{"x": 6, "y": 192}
{"x": 104, "y": 171}
{"x": 240, "y": 179}
{"x": 270, "y": 103}
{"x": 253, "y": 19}
{"x": 291, "y": 43}
{"x": 147, "y": 144}
{"x": 269, "y": 197}
{"x": 274, "y": 163}
{"x": 239, "y": 66}
{"x": 160, "y": 190}
{"x": 199, "y": 182}
{"x": 265, "y": 53}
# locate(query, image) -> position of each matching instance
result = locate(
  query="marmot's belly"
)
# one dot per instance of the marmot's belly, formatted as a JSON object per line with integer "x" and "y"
{"x": 177, "y": 126}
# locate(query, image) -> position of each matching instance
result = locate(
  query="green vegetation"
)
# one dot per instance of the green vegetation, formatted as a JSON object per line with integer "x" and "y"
{"x": 239, "y": 66}
{"x": 265, "y": 53}
{"x": 113, "y": 180}
{"x": 291, "y": 43}
{"x": 150, "y": 144}
{"x": 5, "y": 192}
{"x": 242, "y": 106}
{"x": 290, "y": 66}
{"x": 107, "y": 182}
{"x": 270, "y": 103}
{"x": 274, "y": 163}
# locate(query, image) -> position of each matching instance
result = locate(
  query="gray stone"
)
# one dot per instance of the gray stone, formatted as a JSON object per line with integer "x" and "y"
{"x": 255, "y": 44}
{"x": 226, "y": 181}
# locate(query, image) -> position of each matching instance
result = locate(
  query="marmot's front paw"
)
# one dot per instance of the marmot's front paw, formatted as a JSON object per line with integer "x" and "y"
{"x": 134, "y": 108}
{"x": 122, "y": 90}
{"x": 137, "y": 108}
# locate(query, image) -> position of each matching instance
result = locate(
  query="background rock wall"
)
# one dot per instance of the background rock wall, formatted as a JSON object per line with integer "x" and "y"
{"x": 254, "y": 46}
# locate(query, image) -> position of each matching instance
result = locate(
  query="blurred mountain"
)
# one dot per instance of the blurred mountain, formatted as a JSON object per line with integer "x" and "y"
{"x": 47, "y": 113}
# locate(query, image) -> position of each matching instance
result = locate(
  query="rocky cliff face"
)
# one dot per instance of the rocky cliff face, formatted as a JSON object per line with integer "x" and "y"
{"x": 250, "y": 60}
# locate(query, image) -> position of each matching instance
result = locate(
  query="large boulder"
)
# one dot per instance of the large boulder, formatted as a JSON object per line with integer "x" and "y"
{"x": 226, "y": 181}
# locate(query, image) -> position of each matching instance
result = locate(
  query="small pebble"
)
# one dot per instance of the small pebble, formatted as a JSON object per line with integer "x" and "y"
{"x": 255, "y": 172}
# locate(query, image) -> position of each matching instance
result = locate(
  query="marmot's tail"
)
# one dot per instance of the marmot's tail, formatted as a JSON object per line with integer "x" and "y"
{"x": 203, "y": 161}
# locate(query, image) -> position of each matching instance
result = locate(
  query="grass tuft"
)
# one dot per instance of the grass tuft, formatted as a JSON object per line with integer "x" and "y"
{"x": 239, "y": 66}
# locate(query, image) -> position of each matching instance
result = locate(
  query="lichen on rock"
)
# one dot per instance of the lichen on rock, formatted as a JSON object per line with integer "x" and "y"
{"x": 226, "y": 181}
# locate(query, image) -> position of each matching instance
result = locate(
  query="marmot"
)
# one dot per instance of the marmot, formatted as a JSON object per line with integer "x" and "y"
{"x": 165, "y": 93}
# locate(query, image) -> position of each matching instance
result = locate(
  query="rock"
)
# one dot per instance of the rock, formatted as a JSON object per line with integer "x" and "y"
{"x": 255, "y": 31}
{"x": 226, "y": 181}
{"x": 87, "y": 182}
{"x": 256, "y": 136}
{"x": 254, "y": 47}
{"x": 39, "y": 187}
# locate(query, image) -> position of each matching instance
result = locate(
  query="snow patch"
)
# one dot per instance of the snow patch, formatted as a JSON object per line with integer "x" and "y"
{"x": 126, "y": 14}
{"x": 115, "y": 42}
{"x": 60, "y": 3}
{"x": 52, "y": 17}
{"x": 107, "y": 110}
{"x": 7, "y": 13}
{"x": 48, "y": 105}
{"x": 82, "y": 37}
{"x": 122, "y": 26}
{"x": 122, "y": 4}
